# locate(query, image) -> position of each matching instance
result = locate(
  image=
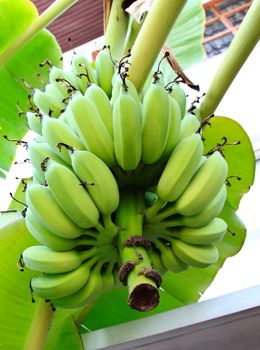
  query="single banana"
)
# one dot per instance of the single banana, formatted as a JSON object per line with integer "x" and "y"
{"x": 86, "y": 295}
{"x": 169, "y": 259}
{"x": 156, "y": 261}
{"x": 180, "y": 96}
{"x": 85, "y": 74}
{"x": 35, "y": 122}
{"x": 38, "y": 152}
{"x": 155, "y": 123}
{"x": 200, "y": 219}
{"x": 85, "y": 119}
{"x": 189, "y": 125}
{"x": 208, "y": 234}
{"x": 105, "y": 70}
{"x": 55, "y": 132}
{"x": 53, "y": 91}
{"x": 47, "y": 238}
{"x": 127, "y": 119}
{"x": 47, "y": 104}
{"x": 46, "y": 260}
{"x": 71, "y": 195}
{"x": 180, "y": 168}
{"x": 150, "y": 198}
{"x": 48, "y": 211}
{"x": 173, "y": 136}
{"x": 102, "y": 103}
{"x": 195, "y": 255}
{"x": 108, "y": 276}
{"x": 65, "y": 82}
{"x": 38, "y": 176}
{"x": 117, "y": 85}
{"x": 205, "y": 185}
{"x": 50, "y": 286}
{"x": 102, "y": 186}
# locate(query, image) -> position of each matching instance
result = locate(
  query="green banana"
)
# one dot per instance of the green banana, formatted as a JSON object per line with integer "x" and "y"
{"x": 102, "y": 103}
{"x": 180, "y": 96}
{"x": 189, "y": 125}
{"x": 46, "y": 260}
{"x": 105, "y": 70}
{"x": 35, "y": 122}
{"x": 50, "y": 286}
{"x": 47, "y": 104}
{"x": 208, "y": 234}
{"x": 195, "y": 255}
{"x": 39, "y": 151}
{"x": 85, "y": 119}
{"x": 48, "y": 211}
{"x": 89, "y": 293}
{"x": 150, "y": 198}
{"x": 53, "y": 91}
{"x": 200, "y": 219}
{"x": 127, "y": 119}
{"x": 108, "y": 277}
{"x": 173, "y": 136}
{"x": 55, "y": 132}
{"x": 96, "y": 173}
{"x": 155, "y": 123}
{"x": 38, "y": 176}
{"x": 71, "y": 195}
{"x": 169, "y": 259}
{"x": 156, "y": 261}
{"x": 204, "y": 186}
{"x": 65, "y": 82}
{"x": 180, "y": 168}
{"x": 117, "y": 85}
{"x": 85, "y": 74}
{"x": 49, "y": 239}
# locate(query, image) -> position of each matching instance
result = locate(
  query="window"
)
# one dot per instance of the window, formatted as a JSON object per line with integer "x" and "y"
{"x": 223, "y": 18}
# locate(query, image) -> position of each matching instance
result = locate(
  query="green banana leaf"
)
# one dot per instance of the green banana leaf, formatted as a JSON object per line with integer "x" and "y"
{"x": 23, "y": 65}
{"x": 16, "y": 307}
{"x": 240, "y": 157}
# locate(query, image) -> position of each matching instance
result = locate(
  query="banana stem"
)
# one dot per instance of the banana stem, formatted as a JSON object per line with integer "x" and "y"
{"x": 143, "y": 292}
{"x": 132, "y": 33}
{"x": 151, "y": 38}
{"x": 40, "y": 326}
{"x": 109, "y": 226}
{"x": 116, "y": 29}
{"x": 166, "y": 213}
{"x": 151, "y": 213}
{"x": 47, "y": 17}
{"x": 242, "y": 45}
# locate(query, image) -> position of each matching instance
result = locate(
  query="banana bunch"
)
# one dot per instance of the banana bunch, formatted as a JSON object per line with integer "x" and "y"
{"x": 98, "y": 138}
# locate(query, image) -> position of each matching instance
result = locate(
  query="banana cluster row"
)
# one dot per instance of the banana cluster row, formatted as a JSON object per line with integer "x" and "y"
{"x": 96, "y": 136}
{"x": 71, "y": 278}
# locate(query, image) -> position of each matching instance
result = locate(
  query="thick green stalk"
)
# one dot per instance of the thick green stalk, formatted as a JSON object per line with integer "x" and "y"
{"x": 40, "y": 326}
{"x": 48, "y": 16}
{"x": 116, "y": 29}
{"x": 242, "y": 45}
{"x": 143, "y": 293}
{"x": 132, "y": 33}
{"x": 151, "y": 38}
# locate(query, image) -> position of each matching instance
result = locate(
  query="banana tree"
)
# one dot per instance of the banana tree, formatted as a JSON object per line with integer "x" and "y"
{"x": 135, "y": 48}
